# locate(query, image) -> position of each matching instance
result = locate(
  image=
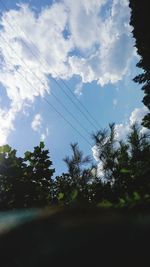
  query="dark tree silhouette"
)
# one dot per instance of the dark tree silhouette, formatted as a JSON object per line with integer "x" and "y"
{"x": 124, "y": 178}
{"x": 25, "y": 182}
{"x": 139, "y": 153}
{"x": 63, "y": 189}
{"x": 106, "y": 152}
{"x": 140, "y": 20}
{"x": 126, "y": 165}
{"x": 12, "y": 180}
{"x": 75, "y": 185}
{"x": 39, "y": 173}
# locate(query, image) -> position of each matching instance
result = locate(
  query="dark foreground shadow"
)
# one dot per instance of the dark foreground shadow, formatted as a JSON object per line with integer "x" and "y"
{"x": 78, "y": 237}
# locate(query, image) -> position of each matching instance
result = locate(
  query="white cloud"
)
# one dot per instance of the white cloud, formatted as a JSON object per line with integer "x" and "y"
{"x": 84, "y": 22}
{"x": 78, "y": 89}
{"x": 95, "y": 153}
{"x": 7, "y": 118}
{"x": 37, "y": 123}
{"x": 122, "y": 130}
{"x": 45, "y": 134}
{"x": 87, "y": 38}
{"x": 137, "y": 115}
{"x": 105, "y": 42}
{"x": 37, "y": 126}
{"x": 100, "y": 172}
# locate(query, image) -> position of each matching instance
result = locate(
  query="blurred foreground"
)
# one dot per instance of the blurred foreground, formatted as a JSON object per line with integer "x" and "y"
{"x": 74, "y": 237}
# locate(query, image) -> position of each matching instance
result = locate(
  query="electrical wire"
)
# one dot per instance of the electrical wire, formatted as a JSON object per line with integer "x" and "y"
{"x": 93, "y": 124}
{"x": 54, "y": 108}
{"x": 57, "y": 99}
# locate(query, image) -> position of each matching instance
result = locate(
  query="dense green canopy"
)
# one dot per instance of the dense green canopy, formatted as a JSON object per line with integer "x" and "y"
{"x": 124, "y": 178}
{"x": 140, "y": 20}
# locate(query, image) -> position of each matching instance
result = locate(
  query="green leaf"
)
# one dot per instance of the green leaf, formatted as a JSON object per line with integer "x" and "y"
{"x": 5, "y": 149}
{"x": 27, "y": 154}
{"x": 136, "y": 196}
{"x": 60, "y": 196}
{"x": 122, "y": 201}
{"x": 125, "y": 171}
{"x": 74, "y": 194}
{"x": 42, "y": 145}
{"x": 105, "y": 204}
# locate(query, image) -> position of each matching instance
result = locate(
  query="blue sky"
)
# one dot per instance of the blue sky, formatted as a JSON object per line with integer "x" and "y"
{"x": 88, "y": 45}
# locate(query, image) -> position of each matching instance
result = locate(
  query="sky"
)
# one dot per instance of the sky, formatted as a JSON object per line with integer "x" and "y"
{"x": 66, "y": 70}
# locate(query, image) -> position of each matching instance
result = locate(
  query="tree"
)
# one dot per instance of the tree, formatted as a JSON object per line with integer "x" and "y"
{"x": 122, "y": 172}
{"x": 75, "y": 185}
{"x": 105, "y": 146}
{"x": 139, "y": 151}
{"x": 63, "y": 189}
{"x": 125, "y": 164}
{"x": 25, "y": 182}
{"x": 12, "y": 182}
{"x": 39, "y": 174}
{"x": 140, "y": 20}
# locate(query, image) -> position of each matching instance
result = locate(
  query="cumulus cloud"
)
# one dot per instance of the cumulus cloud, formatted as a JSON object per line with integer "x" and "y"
{"x": 105, "y": 42}
{"x": 91, "y": 39}
{"x": 136, "y": 116}
{"x": 37, "y": 126}
{"x": 36, "y": 123}
{"x": 7, "y": 118}
{"x": 84, "y": 22}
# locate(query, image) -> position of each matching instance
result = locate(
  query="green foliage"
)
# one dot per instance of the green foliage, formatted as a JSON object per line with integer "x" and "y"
{"x": 62, "y": 189}
{"x": 5, "y": 149}
{"x": 105, "y": 144}
{"x": 146, "y": 121}
{"x": 25, "y": 182}
{"x": 122, "y": 183}
{"x": 11, "y": 178}
{"x": 75, "y": 185}
{"x": 60, "y": 196}
{"x": 124, "y": 171}
{"x": 125, "y": 165}
{"x": 40, "y": 175}
{"x": 142, "y": 42}
{"x": 74, "y": 195}
{"x": 105, "y": 204}
{"x": 135, "y": 201}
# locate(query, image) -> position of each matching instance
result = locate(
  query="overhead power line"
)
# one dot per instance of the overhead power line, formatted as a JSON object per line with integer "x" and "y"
{"x": 48, "y": 102}
{"x": 57, "y": 99}
{"x": 95, "y": 124}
